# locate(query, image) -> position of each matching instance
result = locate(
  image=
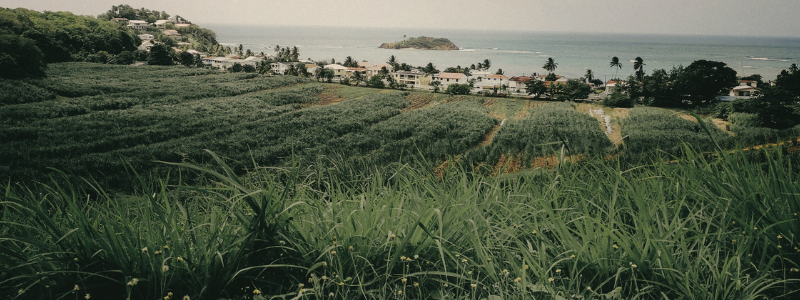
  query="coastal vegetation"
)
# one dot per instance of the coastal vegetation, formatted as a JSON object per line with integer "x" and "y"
{"x": 422, "y": 42}
{"x": 312, "y": 190}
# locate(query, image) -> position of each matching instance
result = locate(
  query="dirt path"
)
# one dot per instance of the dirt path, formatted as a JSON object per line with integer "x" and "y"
{"x": 490, "y": 136}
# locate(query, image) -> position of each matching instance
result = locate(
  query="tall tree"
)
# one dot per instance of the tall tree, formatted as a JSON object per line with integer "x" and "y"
{"x": 392, "y": 62}
{"x": 487, "y": 64}
{"x": 20, "y": 57}
{"x": 703, "y": 80}
{"x": 550, "y": 65}
{"x": 160, "y": 55}
{"x": 615, "y": 64}
{"x": 589, "y": 76}
{"x": 638, "y": 66}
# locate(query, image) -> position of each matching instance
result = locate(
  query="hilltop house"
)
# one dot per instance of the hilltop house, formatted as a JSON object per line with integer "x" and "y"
{"x": 173, "y": 34}
{"x": 281, "y": 68}
{"x": 746, "y": 88}
{"x": 376, "y": 69}
{"x": 162, "y": 24}
{"x": 146, "y": 37}
{"x": 138, "y": 25}
{"x": 611, "y": 85}
{"x": 339, "y": 71}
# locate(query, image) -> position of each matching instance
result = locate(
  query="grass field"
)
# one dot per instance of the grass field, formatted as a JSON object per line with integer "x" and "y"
{"x": 321, "y": 191}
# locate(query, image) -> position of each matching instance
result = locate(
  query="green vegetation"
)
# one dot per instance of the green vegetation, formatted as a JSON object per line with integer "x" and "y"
{"x": 311, "y": 190}
{"x": 547, "y": 131}
{"x": 423, "y": 42}
{"x": 652, "y": 130}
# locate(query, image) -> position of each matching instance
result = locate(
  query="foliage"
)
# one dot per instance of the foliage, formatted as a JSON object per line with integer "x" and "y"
{"x": 702, "y": 81}
{"x": 458, "y": 89}
{"x": 618, "y": 99}
{"x": 20, "y": 57}
{"x": 655, "y": 130}
{"x": 161, "y": 55}
{"x": 535, "y": 87}
{"x": 130, "y": 13}
{"x": 789, "y": 80}
{"x": 17, "y": 92}
{"x": 551, "y": 77}
{"x": 744, "y": 119}
{"x": 543, "y": 133}
{"x": 575, "y": 89}
{"x": 375, "y": 81}
{"x": 422, "y": 42}
{"x": 550, "y": 66}
{"x": 63, "y": 36}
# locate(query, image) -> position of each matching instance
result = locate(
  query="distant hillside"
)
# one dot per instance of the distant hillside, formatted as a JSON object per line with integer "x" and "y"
{"x": 423, "y": 42}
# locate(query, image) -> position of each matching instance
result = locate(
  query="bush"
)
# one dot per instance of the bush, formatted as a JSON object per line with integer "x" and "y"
{"x": 458, "y": 89}
{"x": 16, "y": 92}
{"x": 723, "y": 110}
{"x": 744, "y": 119}
{"x": 618, "y": 99}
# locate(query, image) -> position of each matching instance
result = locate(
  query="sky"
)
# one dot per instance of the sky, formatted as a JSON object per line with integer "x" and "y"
{"x": 694, "y": 17}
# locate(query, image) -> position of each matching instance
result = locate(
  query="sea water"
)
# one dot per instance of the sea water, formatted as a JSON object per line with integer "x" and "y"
{"x": 521, "y": 53}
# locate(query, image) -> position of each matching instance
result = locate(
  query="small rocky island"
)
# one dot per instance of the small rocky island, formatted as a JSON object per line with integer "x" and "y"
{"x": 423, "y": 43}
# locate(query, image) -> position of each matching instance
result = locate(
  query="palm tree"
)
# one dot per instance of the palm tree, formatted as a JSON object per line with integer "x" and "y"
{"x": 392, "y": 61}
{"x": 615, "y": 63}
{"x": 550, "y": 65}
{"x": 348, "y": 61}
{"x": 358, "y": 77}
{"x": 589, "y": 75}
{"x": 638, "y": 66}
{"x": 295, "y": 53}
{"x": 319, "y": 73}
{"x": 487, "y": 64}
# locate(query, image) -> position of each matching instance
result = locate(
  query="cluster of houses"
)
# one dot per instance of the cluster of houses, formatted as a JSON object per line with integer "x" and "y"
{"x": 148, "y": 40}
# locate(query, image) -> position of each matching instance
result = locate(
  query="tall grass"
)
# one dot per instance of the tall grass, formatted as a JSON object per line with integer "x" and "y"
{"x": 700, "y": 227}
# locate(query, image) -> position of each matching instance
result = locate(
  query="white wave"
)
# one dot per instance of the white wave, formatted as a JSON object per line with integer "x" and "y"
{"x": 759, "y": 58}
{"x": 467, "y": 50}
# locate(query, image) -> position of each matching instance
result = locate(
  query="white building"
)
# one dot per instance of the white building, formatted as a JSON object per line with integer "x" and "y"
{"x": 491, "y": 81}
{"x": 162, "y": 24}
{"x": 376, "y": 69}
{"x": 137, "y": 25}
{"x": 412, "y": 79}
{"x": 339, "y": 71}
{"x": 146, "y": 37}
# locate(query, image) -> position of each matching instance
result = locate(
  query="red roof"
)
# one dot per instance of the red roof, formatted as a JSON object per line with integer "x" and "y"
{"x": 521, "y": 79}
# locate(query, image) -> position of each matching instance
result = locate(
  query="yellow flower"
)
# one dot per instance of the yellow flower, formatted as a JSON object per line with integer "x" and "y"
{"x": 324, "y": 277}
{"x": 257, "y": 292}
{"x": 779, "y": 236}
{"x": 464, "y": 260}
{"x": 133, "y": 281}
{"x": 473, "y": 285}
{"x": 445, "y": 285}
{"x": 164, "y": 268}
{"x": 402, "y": 258}
{"x": 588, "y": 288}
{"x": 558, "y": 270}
{"x": 301, "y": 285}
{"x": 734, "y": 241}
{"x": 469, "y": 272}
{"x": 186, "y": 297}
{"x": 166, "y": 297}
{"x": 633, "y": 266}
{"x": 794, "y": 270}
{"x": 310, "y": 280}
{"x": 779, "y": 247}
{"x": 324, "y": 264}
{"x": 525, "y": 267}
{"x": 399, "y": 292}
{"x": 518, "y": 280}
{"x": 144, "y": 249}
{"x": 615, "y": 247}
{"x": 572, "y": 256}
{"x": 550, "y": 280}
{"x": 157, "y": 252}
{"x": 76, "y": 288}
{"x": 489, "y": 259}
{"x": 169, "y": 294}
{"x": 20, "y": 292}
{"x": 180, "y": 259}
{"x": 458, "y": 255}
{"x": 341, "y": 283}
{"x": 404, "y": 280}
{"x": 87, "y": 296}
{"x": 333, "y": 252}
{"x": 76, "y": 259}
{"x": 392, "y": 236}
{"x": 166, "y": 247}
{"x": 755, "y": 228}
{"x": 416, "y": 284}
{"x": 534, "y": 232}
{"x": 350, "y": 248}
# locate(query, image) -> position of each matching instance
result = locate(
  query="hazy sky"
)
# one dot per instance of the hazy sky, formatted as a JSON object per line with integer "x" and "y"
{"x": 708, "y": 17}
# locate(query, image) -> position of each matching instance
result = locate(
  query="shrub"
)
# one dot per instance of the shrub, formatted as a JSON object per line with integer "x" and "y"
{"x": 744, "y": 119}
{"x": 618, "y": 99}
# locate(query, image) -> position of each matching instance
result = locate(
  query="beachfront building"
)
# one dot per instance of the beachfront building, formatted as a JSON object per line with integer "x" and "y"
{"x": 376, "y": 69}
{"x": 412, "y": 79}
{"x": 518, "y": 84}
{"x": 743, "y": 91}
{"x": 138, "y": 25}
{"x": 339, "y": 71}
{"x": 446, "y": 79}
{"x": 281, "y": 68}
{"x": 494, "y": 80}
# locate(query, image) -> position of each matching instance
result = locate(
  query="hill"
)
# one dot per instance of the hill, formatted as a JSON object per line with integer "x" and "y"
{"x": 423, "y": 42}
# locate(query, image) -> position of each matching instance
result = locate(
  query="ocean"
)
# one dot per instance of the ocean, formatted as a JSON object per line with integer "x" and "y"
{"x": 523, "y": 53}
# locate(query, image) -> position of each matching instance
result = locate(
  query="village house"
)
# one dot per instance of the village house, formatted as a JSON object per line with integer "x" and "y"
{"x": 492, "y": 81}
{"x": 412, "y": 79}
{"x": 364, "y": 64}
{"x": 376, "y": 69}
{"x": 172, "y": 33}
{"x": 339, "y": 71}
{"x": 311, "y": 68}
{"x": 611, "y": 85}
{"x": 518, "y": 84}
{"x": 138, "y": 25}
{"x": 742, "y": 91}
{"x": 122, "y": 21}
{"x": 145, "y": 46}
{"x": 162, "y": 24}
{"x": 445, "y": 79}
{"x": 352, "y": 71}
{"x": 146, "y": 37}
{"x": 281, "y": 68}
